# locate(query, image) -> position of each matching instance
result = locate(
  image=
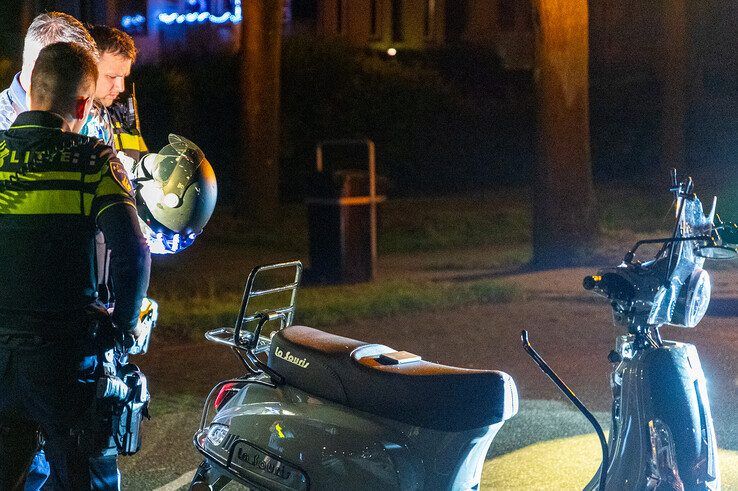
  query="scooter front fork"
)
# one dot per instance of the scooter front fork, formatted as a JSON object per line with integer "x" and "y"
{"x": 662, "y": 434}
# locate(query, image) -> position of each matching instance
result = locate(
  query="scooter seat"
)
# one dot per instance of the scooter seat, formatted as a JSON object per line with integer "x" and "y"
{"x": 418, "y": 393}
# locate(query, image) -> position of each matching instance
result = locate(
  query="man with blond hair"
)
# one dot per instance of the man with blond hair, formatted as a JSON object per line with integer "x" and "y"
{"x": 48, "y": 28}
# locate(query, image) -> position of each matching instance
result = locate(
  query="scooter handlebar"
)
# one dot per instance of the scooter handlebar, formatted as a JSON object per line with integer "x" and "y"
{"x": 590, "y": 282}
{"x": 612, "y": 285}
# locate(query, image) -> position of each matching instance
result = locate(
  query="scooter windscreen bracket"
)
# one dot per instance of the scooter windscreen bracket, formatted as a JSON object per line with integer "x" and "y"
{"x": 269, "y": 297}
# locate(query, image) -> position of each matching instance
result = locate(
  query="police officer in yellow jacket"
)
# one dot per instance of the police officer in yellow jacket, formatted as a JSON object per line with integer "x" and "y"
{"x": 113, "y": 119}
{"x": 127, "y": 127}
{"x": 110, "y": 120}
{"x": 56, "y": 189}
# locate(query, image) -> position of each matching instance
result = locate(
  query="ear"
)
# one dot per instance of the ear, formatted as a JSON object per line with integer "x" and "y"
{"x": 80, "y": 108}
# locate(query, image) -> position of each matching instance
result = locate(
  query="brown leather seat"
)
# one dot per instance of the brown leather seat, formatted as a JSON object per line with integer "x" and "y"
{"x": 420, "y": 393}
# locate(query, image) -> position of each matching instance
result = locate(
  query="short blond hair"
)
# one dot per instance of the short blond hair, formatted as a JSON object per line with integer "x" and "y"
{"x": 58, "y": 27}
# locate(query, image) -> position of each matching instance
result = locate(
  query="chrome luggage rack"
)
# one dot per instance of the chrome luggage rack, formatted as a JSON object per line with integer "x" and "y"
{"x": 247, "y": 344}
{"x": 254, "y": 342}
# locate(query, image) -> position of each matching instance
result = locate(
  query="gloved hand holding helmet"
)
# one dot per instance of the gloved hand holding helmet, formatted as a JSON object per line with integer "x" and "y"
{"x": 175, "y": 195}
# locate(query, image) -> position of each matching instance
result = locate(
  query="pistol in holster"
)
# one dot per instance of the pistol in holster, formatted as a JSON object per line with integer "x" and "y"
{"x": 122, "y": 390}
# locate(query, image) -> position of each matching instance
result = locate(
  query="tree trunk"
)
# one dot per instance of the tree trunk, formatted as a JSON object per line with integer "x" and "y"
{"x": 564, "y": 215}
{"x": 261, "y": 42}
{"x": 673, "y": 72}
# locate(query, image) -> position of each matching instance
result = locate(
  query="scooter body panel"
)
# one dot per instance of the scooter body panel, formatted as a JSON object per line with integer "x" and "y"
{"x": 284, "y": 438}
{"x": 662, "y": 435}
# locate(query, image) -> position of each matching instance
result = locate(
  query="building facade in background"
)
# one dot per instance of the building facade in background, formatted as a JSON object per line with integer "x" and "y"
{"x": 172, "y": 26}
{"x": 161, "y": 26}
{"x": 501, "y": 25}
{"x": 624, "y": 34}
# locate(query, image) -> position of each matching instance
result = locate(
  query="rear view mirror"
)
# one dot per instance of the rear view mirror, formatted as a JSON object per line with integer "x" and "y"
{"x": 729, "y": 233}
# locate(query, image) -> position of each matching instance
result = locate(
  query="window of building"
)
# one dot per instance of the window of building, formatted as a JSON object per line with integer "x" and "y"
{"x": 339, "y": 16}
{"x": 457, "y": 18}
{"x": 133, "y": 17}
{"x": 506, "y": 14}
{"x": 373, "y": 18}
{"x": 430, "y": 9}
{"x": 398, "y": 29}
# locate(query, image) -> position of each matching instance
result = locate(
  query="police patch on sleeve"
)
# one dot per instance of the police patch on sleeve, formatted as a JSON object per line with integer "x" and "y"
{"x": 121, "y": 176}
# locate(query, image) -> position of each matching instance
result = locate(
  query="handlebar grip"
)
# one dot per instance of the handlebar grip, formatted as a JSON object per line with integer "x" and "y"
{"x": 590, "y": 282}
{"x": 612, "y": 285}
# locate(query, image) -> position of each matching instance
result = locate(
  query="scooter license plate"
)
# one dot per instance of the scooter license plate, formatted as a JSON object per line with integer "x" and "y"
{"x": 254, "y": 464}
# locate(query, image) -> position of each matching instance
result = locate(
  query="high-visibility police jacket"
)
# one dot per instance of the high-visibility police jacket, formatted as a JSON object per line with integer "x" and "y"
{"x": 116, "y": 126}
{"x": 56, "y": 188}
{"x": 127, "y": 137}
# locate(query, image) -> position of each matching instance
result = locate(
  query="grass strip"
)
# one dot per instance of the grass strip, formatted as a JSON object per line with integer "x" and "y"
{"x": 330, "y": 305}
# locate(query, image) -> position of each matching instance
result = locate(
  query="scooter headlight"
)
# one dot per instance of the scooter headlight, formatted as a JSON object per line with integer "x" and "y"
{"x": 217, "y": 433}
{"x": 693, "y": 299}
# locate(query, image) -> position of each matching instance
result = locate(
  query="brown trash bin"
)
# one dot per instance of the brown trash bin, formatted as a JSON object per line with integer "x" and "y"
{"x": 342, "y": 222}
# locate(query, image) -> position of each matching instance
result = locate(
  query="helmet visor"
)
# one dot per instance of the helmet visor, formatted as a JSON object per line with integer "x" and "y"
{"x": 174, "y": 168}
{"x": 177, "y": 187}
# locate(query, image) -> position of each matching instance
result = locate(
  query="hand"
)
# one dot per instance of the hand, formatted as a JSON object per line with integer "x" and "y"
{"x": 140, "y": 333}
{"x": 147, "y": 317}
{"x": 129, "y": 163}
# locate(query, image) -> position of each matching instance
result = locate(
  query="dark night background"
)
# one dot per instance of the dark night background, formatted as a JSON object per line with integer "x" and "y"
{"x": 449, "y": 118}
{"x": 476, "y": 240}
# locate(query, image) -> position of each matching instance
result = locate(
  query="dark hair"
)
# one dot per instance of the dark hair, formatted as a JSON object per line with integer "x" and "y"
{"x": 61, "y": 71}
{"x": 114, "y": 41}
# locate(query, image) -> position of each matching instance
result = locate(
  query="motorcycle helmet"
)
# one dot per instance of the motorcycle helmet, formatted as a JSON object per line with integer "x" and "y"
{"x": 175, "y": 195}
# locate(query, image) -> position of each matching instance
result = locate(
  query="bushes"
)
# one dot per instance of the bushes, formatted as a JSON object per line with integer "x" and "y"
{"x": 625, "y": 114}
{"x": 431, "y": 135}
{"x": 196, "y": 97}
{"x": 331, "y": 91}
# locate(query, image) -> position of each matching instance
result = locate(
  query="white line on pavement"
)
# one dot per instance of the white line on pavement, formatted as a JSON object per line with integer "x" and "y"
{"x": 182, "y": 480}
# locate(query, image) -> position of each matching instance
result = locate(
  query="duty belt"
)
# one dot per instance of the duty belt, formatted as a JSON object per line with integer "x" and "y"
{"x": 79, "y": 328}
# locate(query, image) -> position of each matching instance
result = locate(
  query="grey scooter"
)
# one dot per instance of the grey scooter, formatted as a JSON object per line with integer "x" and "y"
{"x": 328, "y": 412}
{"x": 662, "y": 435}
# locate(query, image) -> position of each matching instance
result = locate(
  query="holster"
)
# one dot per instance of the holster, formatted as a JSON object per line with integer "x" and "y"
{"x": 128, "y": 416}
{"x": 123, "y": 391}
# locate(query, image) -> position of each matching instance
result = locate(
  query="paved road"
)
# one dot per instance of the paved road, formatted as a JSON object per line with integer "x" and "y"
{"x": 569, "y": 326}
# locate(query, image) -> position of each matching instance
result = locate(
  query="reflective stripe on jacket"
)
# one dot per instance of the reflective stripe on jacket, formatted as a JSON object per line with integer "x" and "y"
{"x": 53, "y": 187}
